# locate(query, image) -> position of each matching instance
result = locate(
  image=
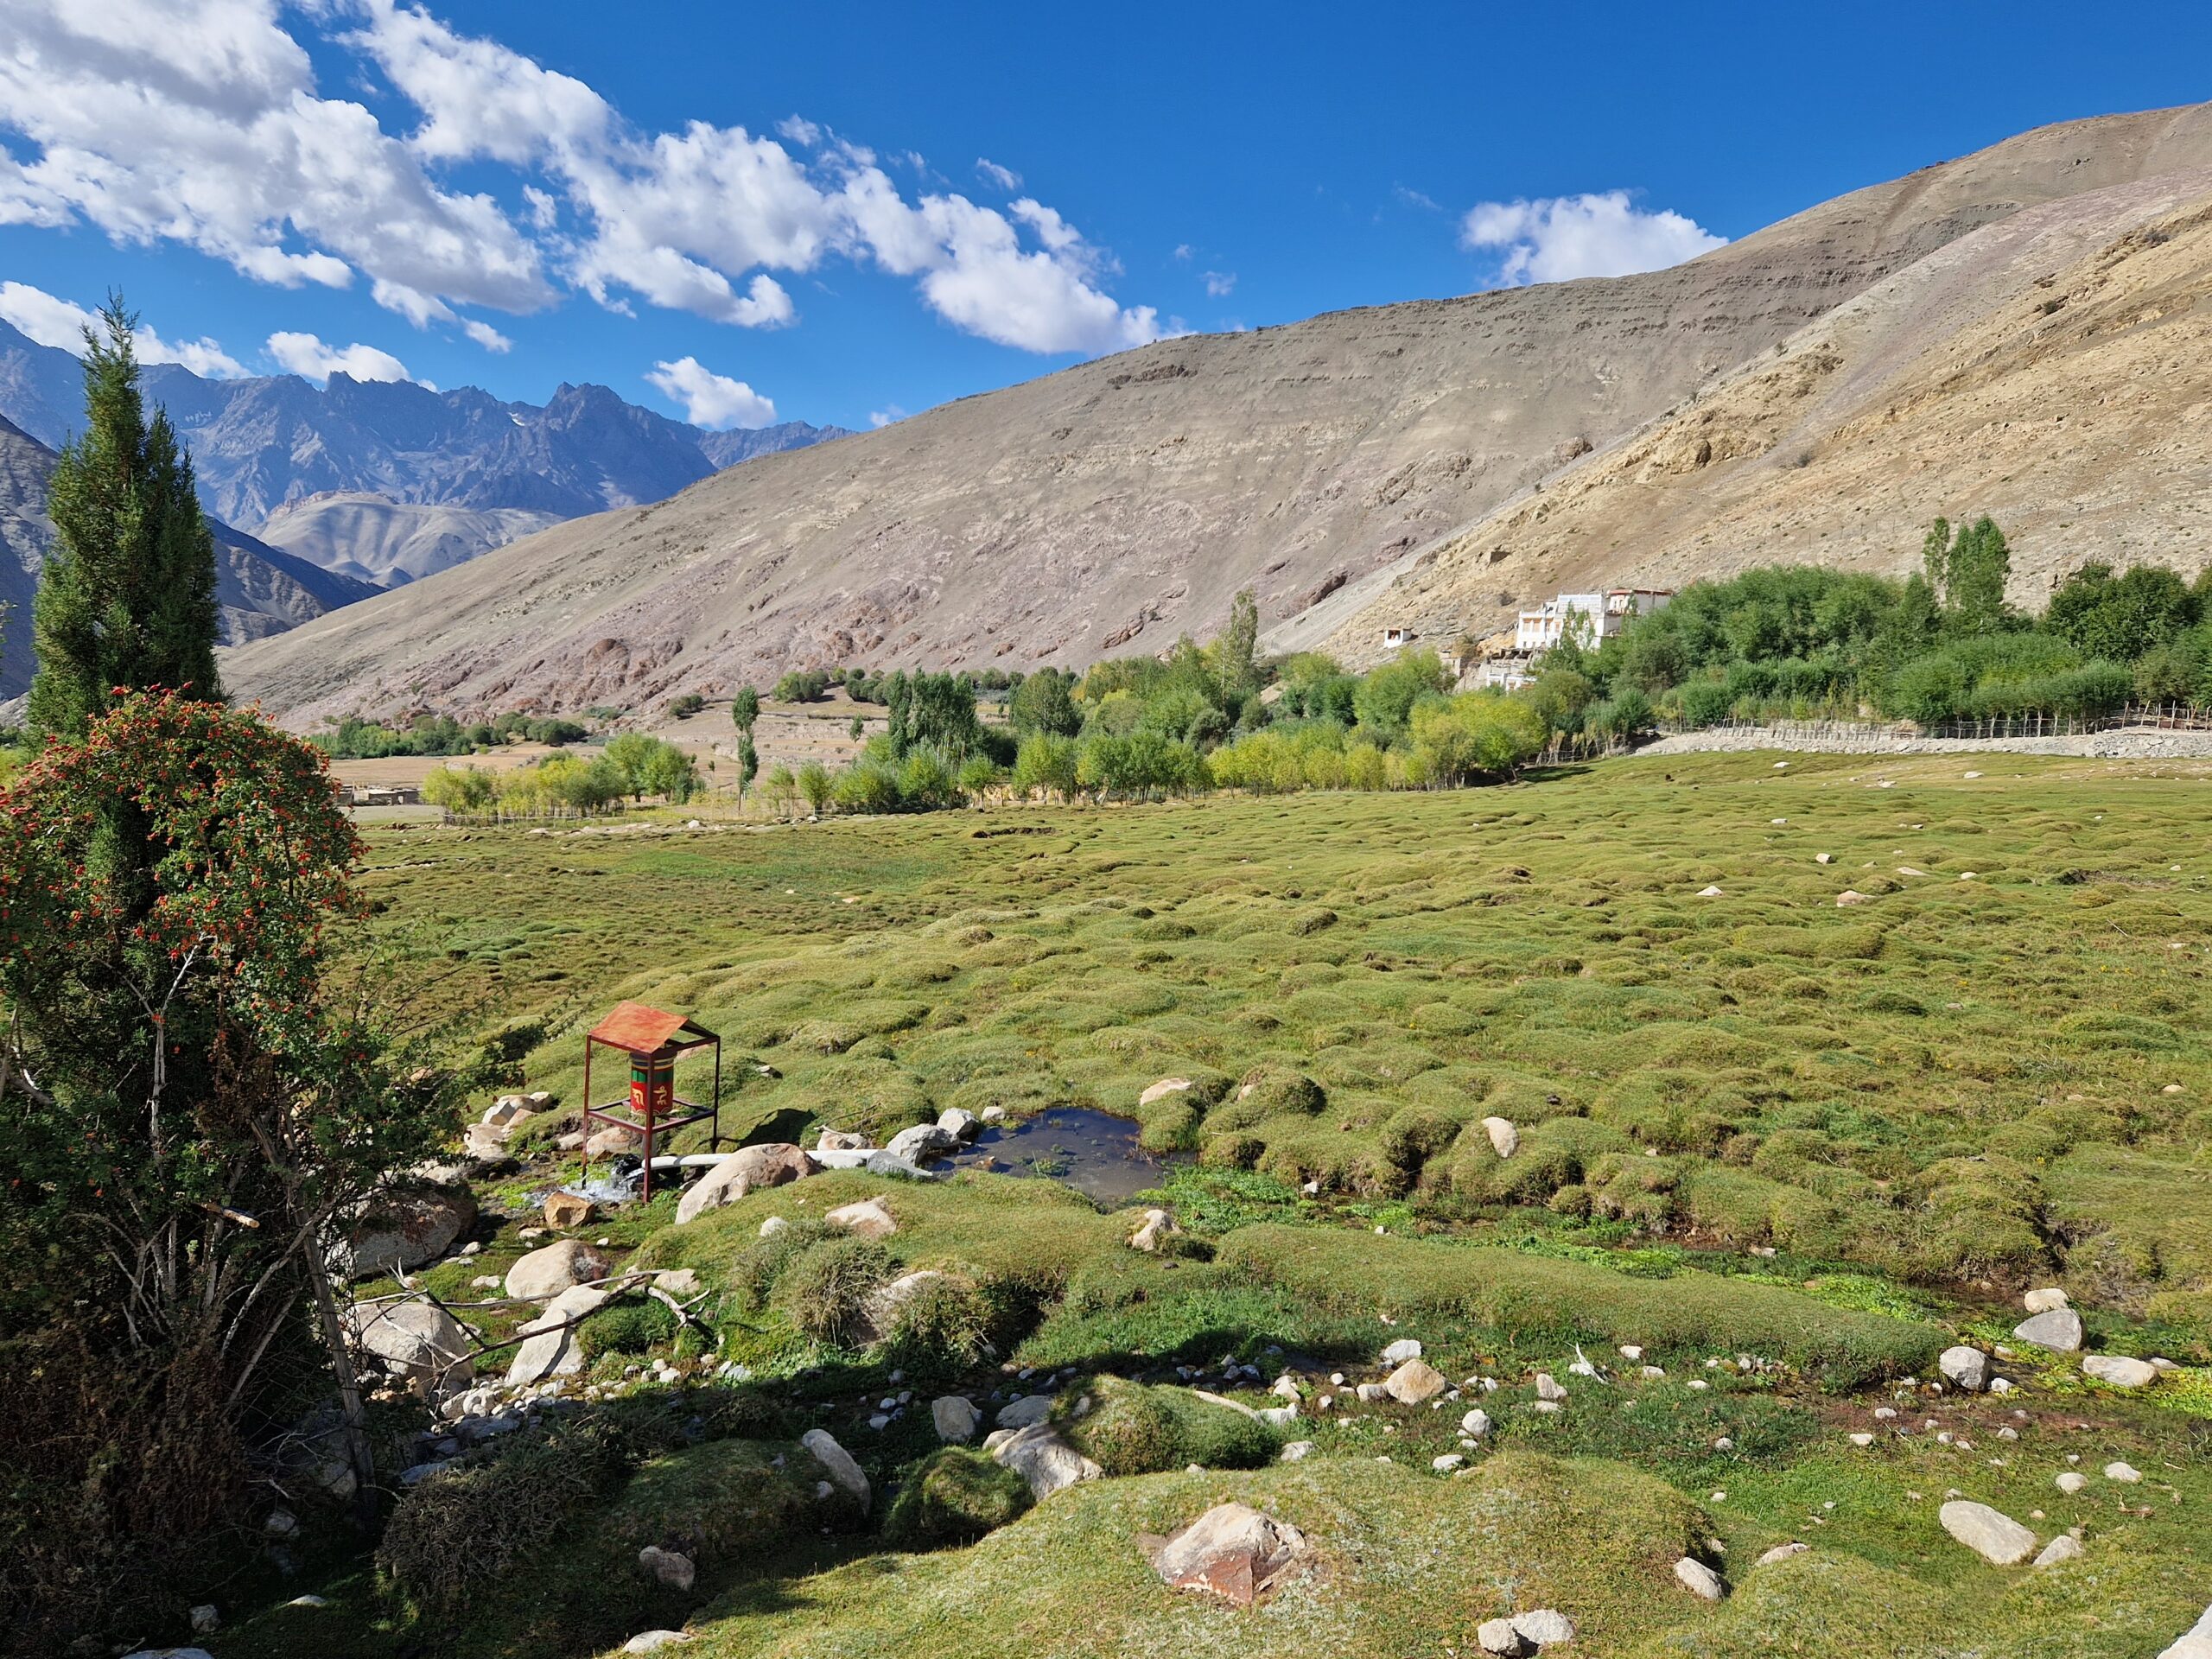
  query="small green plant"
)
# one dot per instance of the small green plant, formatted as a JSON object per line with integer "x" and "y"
{"x": 824, "y": 1290}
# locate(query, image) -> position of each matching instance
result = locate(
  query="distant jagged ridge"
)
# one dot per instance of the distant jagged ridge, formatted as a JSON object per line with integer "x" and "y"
{"x": 260, "y": 444}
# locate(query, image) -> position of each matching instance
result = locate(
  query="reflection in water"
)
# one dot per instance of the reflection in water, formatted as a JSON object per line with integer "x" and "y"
{"x": 1095, "y": 1153}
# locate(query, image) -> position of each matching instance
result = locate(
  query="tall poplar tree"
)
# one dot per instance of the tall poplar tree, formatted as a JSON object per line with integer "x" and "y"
{"x": 128, "y": 597}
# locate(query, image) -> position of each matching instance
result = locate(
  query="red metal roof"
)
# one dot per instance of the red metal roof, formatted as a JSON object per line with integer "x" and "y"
{"x": 644, "y": 1031}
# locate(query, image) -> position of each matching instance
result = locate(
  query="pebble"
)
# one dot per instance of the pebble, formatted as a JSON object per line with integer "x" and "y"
{"x": 2125, "y": 1473}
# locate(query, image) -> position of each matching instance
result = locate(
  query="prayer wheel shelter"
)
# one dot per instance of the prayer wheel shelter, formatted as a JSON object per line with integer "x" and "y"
{"x": 651, "y": 1040}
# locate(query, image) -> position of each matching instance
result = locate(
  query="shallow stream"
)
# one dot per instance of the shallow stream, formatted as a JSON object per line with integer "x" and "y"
{"x": 1095, "y": 1153}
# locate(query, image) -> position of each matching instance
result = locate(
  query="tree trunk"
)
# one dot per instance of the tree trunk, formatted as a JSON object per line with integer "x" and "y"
{"x": 349, "y": 1396}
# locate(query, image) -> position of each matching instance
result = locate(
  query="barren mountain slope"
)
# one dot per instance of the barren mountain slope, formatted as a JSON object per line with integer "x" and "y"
{"x": 1113, "y": 505}
{"x": 2054, "y": 370}
{"x": 378, "y": 540}
{"x": 260, "y": 589}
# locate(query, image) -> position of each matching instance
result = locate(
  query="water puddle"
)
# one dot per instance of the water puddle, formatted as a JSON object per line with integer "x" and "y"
{"x": 1095, "y": 1153}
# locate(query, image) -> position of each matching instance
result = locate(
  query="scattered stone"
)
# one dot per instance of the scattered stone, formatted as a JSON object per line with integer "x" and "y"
{"x": 1545, "y": 1627}
{"x": 1782, "y": 1552}
{"x": 1849, "y": 896}
{"x": 1504, "y": 1139}
{"x": 613, "y": 1142}
{"x": 770, "y": 1226}
{"x": 206, "y": 1621}
{"x": 2059, "y": 1330}
{"x": 1497, "y": 1635}
{"x": 921, "y": 1141}
{"x": 671, "y": 1567}
{"x": 1708, "y": 892}
{"x": 868, "y": 1218}
{"x": 843, "y": 1472}
{"x": 2064, "y": 1547}
{"x": 1823, "y": 858}
{"x": 1698, "y": 1579}
{"x": 654, "y": 1641}
{"x": 960, "y": 1123}
{"x": 1475, "y": 1424}
{"x": 1022, "y": 1412}
{"x": 1862, "y": 1438}
{"x": 956, "y": 1417}
{"x": 1399, "y": 1352}
{"x": 2126, "y": 1473}
{"x": 842, "y": 1140}
{"x": 1157, "y": 1225}
{"x": 2119, "y": 1371}
{"x": 1162, "y": 1089}
{"x": 1448, "y": 1463}
{"x": 547, "y": 1272}
{"x": 2048, "y": 1299}
{"x": 1413, "y": 1382}
{"x": 774, "y": 1163}
{"x": 679, "y": 1283}
{"x": 1297, "y": 1451}
{"x": 1968, "y": 1367}
{"x": 1044, "y": 1458}
{"x": 1548, "y": 1387}
{"x": 1232, "y": 1551}
{"x": 1996, "y": 1537}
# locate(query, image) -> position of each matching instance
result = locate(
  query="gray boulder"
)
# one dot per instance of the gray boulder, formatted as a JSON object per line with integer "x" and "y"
{"x": 404, "y": 1226}
{"x": 2059, "y": 1330}
{"x": 1415, "y": 1383}
{"x": 956, "y": 1417}
{"x": 1028, "y": 1409}
{"x": 2119, "y": 1371}
{"x": 747, "y": 1170}
{"x": 552, "y": 1348}
{"x": 1698, "y": 1579}
{"x": 416, "y": 1339}
{"x": 923, "y": 1141}
{"x": 2064, "y": 1547}
{"x": 1996, "y": 1537}
{"x": 1968, "y": 1368}
{"x": 1232, "y": 1551}
{"x": 2195, "y": 1643}
{"x": 548, "y": 1271}
{"x": 1043, "y": 1458}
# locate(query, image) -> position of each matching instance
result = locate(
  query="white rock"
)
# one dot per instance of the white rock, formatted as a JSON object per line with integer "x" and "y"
{"x": 2126, "y": 1474}
{"x": 837, "y": 1462}
{"x": 1297, "y": 1451}
{"x": 770, "y": 1226}
{"x": 2048, "y": 1299}
{"x": 546, "y": 1273}
{"x": 1782, "y": 1553}
{"x": 1497, "y": 1635}
{"x": 1504, "y": 1139}
{"x": 1415, "y": 1383}
{"x": 1399, "y": 1352}
{"x": 2195, "y": 1642}
{"x": 1700, "y": 1579}
{"x": 1545, "y": 1626}
{"x": 1158, "y": 1225}
{"x": 1548, "y": 1387}
{"x": 552, "y": 1350}
{"x": 2064, "y": 1547}
{"x": 921, "y": 1142}
{"x": 654, "y": 1641}
{"x": 1708, "y": 892}
{"x": 1448, "y": 1463}
{"x": 417, "y": 1340}
{"x": 1630, "y": 1350}
{"x": 955, "y": 1419}
{"x": 869, "y": 1218}
{"x": 1042, "y": 1457}
{"x": 1996, "y": 1537}
{"x": 1475, "y": 1423}
{"x": 1968, "y": 1367}
{"x": 959, "y": 1122}
{"x": 1862, "y": 1438}
{"x": 2119, "y": 1371}
{"x": 747, "y": 1170}
{"x": 1162, "y": 1089}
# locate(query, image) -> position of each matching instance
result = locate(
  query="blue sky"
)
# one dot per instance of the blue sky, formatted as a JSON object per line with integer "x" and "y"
{"x": 843, "y": 213}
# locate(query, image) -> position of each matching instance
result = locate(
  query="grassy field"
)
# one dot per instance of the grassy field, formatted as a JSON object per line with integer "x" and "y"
{"x": 1788, "y": 1149}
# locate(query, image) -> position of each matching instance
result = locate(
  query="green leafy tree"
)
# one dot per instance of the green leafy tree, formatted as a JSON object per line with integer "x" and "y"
{"x": 630, "y": 753}
{"x": 1386, "y": 697}
{"x": 1968, "y": 571}
{"x": 745, "y": 710}
{"x": 2120, "y": 619}
{"x": 815, "y": 784}
{"x": 128, "y": 597}
{"x": 749, "y": 766}
{"x": 1236, "y": 667}
{"x": 670, "y": 773}
{"x": 1044, "y": 701}
{"x": 1046, "y": 763}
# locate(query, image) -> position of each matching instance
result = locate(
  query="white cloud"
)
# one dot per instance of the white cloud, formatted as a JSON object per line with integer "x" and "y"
{"x": 203, "y": 126}
{"x": 999, "y": 178}
{"x": 1221, "y": 283}
{"x": 1558, "y": 239}
{"x": 889, "y": 415}
{"x": 305, "y": 354}
{"x": 1185, "y": 252}
{"x": 711, "y": 400}
{"x": 53, "y": 321}
{"x": 485, "y": 335}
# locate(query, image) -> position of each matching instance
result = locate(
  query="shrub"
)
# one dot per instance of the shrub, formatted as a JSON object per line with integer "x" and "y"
{"x": 824, "y": 1290}
{"x": 1132, "y": 1429}
{"x": 957, "y": 1496}
{"x": 631, "y": 1325}
{"x": 944, "y": 1327}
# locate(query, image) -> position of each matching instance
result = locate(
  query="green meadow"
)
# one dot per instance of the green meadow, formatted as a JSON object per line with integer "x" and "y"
{"x": 1788, "y": 1149}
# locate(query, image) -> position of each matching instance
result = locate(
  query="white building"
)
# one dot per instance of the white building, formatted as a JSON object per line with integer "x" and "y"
{"x": 1593, "y": 617}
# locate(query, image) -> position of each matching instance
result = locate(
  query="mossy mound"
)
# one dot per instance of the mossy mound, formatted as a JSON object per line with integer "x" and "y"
{"x": 954, "y": 1497}
{"x": 1132, "y": 1429}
